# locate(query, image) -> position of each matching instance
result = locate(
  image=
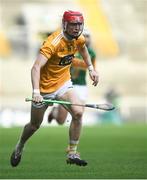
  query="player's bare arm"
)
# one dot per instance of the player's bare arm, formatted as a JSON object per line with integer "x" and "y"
{"x": 35, "y": 77}
{"x": 93, "y": 74}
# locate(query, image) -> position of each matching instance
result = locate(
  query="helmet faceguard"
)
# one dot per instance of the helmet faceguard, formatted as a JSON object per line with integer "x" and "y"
{"x": 86, "y": 32}
{"x": 87, "y": 35}
{"x": 73, "y": 23}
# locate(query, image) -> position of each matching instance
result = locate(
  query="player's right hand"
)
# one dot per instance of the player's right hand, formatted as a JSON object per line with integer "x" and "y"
{"x": 36, "y": 97}
{"x": 94, "y": 76}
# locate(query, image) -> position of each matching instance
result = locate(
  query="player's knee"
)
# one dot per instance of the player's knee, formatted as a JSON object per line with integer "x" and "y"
{"x": 78, "y": 114}
{"x": 60, "y": 121}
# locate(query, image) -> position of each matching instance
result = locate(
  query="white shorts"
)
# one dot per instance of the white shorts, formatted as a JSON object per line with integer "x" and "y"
{"x": 81, "y": 91}
{"x": 62, "y": 90}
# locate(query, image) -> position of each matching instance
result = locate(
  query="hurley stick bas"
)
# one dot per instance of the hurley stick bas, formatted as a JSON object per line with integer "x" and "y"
{"x": 105, "y": 107}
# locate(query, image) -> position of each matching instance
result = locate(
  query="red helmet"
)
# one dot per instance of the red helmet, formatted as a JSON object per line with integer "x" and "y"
{"x": 72, "y": 17}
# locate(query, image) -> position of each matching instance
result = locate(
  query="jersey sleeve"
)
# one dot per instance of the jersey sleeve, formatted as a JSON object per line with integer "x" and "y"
{"x": 78, "y": 63}
{"x": 47, "y": 49}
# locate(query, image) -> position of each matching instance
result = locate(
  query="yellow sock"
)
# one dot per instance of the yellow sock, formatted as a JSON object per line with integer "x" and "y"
{"x": 72, "y": 147}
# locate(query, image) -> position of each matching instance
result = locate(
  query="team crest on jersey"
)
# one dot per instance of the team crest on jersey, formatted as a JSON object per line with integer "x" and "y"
{"x": 66, "y": 60}
{"x": 70, "y": 48}
{"x": 67, "y": 49}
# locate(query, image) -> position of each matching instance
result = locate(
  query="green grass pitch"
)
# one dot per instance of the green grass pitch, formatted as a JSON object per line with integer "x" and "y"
{"x": 112, "y": 153}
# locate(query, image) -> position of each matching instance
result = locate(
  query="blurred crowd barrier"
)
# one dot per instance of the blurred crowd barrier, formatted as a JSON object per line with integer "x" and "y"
{"x": 118, "y": 34}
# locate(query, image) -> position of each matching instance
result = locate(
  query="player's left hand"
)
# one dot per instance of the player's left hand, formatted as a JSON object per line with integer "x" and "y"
{"x": 94, "y": 76}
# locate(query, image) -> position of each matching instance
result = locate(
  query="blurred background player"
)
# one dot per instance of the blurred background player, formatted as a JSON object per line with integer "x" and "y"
{"x": 50, "y": 76}
{"x": 112, "y": 96}
{"x": 78, "y": 76}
